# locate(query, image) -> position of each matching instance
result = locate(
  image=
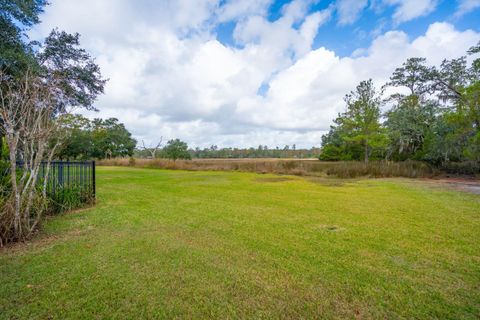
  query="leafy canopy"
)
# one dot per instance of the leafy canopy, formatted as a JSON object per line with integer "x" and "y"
{"x": 176, "y": 149}
{"x": 17, "y": 16}
{"x": 95, "y": 138}
{"x": 358, "y": 132}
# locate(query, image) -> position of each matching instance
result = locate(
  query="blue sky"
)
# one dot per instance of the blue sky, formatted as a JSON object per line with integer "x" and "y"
{"x": 344, "y": 39}
{"x": 251, "y": 72}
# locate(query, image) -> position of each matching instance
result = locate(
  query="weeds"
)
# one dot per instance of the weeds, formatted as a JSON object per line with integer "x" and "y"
{"x": 341, "y": 169}
{"x": 68, "y": 198}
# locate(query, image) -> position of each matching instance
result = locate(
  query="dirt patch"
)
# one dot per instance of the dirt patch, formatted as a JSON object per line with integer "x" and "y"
{"x": 331, "y": 228}
{"x": 461, "y": 184}
{"x": 40, "y": 239}
{"x": 464, "y": 186}
{"x": 37, "y": 241}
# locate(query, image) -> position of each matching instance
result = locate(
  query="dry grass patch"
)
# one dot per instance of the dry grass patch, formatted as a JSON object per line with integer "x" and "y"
{"x": 299, "y": 167}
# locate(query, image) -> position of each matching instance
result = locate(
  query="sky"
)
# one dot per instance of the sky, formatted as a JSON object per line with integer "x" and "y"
{"x": 251, "y": 72}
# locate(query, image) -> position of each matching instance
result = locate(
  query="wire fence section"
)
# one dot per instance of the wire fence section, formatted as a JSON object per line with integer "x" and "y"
{"x": 67, "y": 175}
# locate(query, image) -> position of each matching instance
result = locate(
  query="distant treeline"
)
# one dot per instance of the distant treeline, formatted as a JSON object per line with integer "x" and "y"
{"x": 238, "y": 153}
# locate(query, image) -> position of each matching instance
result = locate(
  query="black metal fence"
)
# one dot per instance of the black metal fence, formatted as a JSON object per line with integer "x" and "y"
{"x": 68, "y": 175}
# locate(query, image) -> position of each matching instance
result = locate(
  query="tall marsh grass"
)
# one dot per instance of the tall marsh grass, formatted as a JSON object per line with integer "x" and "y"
{"x": 304, "y": 167}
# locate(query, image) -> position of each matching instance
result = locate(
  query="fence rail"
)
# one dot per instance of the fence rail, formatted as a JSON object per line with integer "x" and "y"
{"x": 65, "y": 175}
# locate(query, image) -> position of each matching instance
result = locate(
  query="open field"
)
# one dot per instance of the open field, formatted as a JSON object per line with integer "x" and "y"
{"x": 197, "y": 244}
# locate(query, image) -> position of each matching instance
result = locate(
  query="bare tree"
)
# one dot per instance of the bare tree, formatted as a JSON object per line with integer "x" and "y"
{"x": 152, "y": 150}
{"x": 27, "y": 120}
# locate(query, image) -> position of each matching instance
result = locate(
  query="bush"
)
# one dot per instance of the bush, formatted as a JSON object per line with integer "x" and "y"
{"x": 331, "y": 153}
{"x": 5, "y": 180}
{"x": 66, "y": 199}
{"x": 461, "y": 168}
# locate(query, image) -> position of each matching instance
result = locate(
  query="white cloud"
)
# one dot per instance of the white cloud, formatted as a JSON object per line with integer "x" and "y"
{"x": 350, "y": 10}
{"x": 410, "y": 9}
{"x": 233, "y": 10}
{"x": 277, "y": 41}
{"x": 170, "y": 77}
{"x": 466, "y": 6}
{"x": 308, "y": 94}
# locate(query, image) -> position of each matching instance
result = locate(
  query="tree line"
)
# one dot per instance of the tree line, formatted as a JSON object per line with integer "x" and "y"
{"x": 433, "y": 116}
{"x": 214, "y": 152}
{"x": 262, "y": 151}
{"x": 174, "y": 149}
{"x": 104, "y": 139}
{"x": 94, "y": 139}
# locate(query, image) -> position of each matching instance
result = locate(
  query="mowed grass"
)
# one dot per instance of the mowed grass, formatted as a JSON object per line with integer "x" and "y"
{"x": 165, "y": 244}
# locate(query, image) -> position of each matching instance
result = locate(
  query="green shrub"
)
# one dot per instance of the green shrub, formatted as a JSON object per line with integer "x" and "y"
{"x": 462, "y": 168}
{"x": 5, "y": 182}
{"x": 331, "y": 153}
{"x": 68, "y": 198}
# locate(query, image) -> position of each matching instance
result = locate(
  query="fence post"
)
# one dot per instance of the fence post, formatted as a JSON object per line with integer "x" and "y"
{"x": 93, "y": 177}
{"x": 60, "y": 173}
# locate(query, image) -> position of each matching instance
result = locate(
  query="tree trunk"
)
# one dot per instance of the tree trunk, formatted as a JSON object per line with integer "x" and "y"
{"x": 366, "y": 151}
{"x": 12, "y": 140}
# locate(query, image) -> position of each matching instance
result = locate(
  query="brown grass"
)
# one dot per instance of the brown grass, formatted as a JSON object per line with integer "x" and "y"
{"x": 300, "y": 167}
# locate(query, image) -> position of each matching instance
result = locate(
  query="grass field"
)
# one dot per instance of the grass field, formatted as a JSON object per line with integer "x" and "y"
{"x": 164, "y": 244}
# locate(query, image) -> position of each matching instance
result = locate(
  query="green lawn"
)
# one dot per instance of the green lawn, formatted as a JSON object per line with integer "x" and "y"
{"x": 164, "y": 244}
